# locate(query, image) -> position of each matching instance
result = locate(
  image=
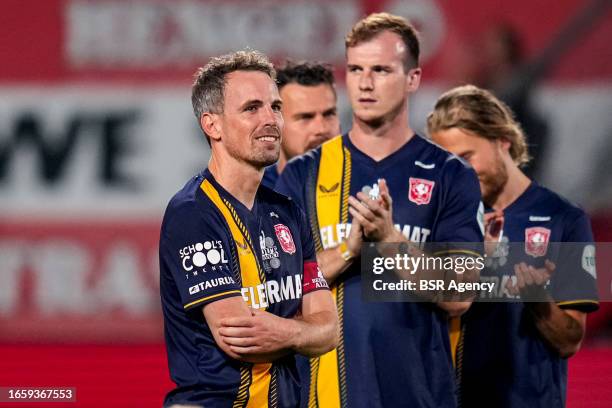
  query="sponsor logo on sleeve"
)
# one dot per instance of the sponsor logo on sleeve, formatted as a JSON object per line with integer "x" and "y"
{"x": 209, "y": 284}
{"x": 196, "y": 257}
{"x": 588, "y": 260}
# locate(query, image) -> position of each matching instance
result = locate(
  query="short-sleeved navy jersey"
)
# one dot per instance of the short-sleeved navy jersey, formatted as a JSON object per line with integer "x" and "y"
{"x": 504, "y": 360}
{"x": 391, "y": 354}
{"x": 201, "y": 261}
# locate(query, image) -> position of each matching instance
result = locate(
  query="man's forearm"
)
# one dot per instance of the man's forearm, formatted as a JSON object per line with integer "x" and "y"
{"x": 332, "y": 262}
{"x": 559, "y": 329}
{"x": 316, "y": 334}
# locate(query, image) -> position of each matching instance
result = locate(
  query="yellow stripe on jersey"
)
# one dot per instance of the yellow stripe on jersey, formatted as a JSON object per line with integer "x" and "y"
{"x": 258, "y": 382}
{"x": 250, "y": 272}
{"x": 454, "y": 332}
{"x": 329, "y": 190}
{"x": 577, "y": 302}
{"x": 260, "y": 386}
{"x": 327, "y": 377}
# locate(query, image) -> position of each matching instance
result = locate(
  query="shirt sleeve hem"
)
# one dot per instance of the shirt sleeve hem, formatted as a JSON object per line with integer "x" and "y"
{"x": 216, "y": 296}
{"x": 588, "y": 305}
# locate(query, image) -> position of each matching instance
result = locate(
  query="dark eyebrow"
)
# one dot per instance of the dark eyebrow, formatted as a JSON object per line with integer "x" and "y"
{"x": 251, "y": 102}
{"x": 330, "y": 110}
{"x": 301, "y": 115}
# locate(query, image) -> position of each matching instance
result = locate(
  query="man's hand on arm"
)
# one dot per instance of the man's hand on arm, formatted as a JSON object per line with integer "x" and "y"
{"x": 257, "y": 336}
{"x": 562, "y": 329}
{"x": 235, "y": 311}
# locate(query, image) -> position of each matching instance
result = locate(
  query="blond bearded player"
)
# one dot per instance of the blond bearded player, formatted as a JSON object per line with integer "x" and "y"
{"x": 514, "y": 353}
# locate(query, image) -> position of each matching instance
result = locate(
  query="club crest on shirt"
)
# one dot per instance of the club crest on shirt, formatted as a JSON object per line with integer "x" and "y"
{"x": 420, "y": 190}
{"x": 536, "y": 241}
{"x": 284, "y": 238}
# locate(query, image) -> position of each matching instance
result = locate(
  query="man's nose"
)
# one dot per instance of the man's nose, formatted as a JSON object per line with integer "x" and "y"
{"x": 365, "y": 81}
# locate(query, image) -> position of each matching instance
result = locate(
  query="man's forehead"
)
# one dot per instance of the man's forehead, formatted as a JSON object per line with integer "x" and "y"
{"x": 244, "y": 82}
{"x": 306, "y": 93}
{"x": 383, "y": 46}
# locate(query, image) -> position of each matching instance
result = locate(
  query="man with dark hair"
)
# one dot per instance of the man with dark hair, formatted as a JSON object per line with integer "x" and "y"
{"x": 514, "y": 354}
{"x": 309, "y": 110}
{"x": 390, "y": 354}
{"x": 240, "y": 288}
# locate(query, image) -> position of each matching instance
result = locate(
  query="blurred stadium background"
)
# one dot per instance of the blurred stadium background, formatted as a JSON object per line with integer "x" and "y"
{"x": 97, "y": 133}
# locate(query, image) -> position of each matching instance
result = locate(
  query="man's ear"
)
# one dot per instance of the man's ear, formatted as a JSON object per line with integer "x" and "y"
{"x": 414, "y": 79}
{"x": 505, "y": 144}
{"x": 210, "y": 124}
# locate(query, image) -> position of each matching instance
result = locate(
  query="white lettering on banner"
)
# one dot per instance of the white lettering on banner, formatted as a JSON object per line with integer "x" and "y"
{"x": 67, "y": 279}
{"x": 332, "y": 236}
{"x": 59, "y": 277}
{"x": 120, "y": 284}
{"x": 145, "y": 34}
{"x": 148, "y": 35}
{"x": 265, "y": 294}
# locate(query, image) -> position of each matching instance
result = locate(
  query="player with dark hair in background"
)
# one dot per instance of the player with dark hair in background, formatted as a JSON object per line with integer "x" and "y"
{"x": 240, "y": 287}
{"x": 514, "y": 354}
{"x": 390, "y": 354}
{"x": 309, "y": 109}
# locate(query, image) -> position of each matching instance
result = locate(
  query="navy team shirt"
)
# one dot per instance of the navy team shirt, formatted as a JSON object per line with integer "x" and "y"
{"x": 270, "y": 176}
{"x": 505, "y": 361}
{"x": 394, "y": 354}
{"x": 199, "y": 264}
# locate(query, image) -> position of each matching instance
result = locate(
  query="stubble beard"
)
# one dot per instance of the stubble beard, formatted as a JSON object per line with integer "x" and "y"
{"x": 494, "y": 183}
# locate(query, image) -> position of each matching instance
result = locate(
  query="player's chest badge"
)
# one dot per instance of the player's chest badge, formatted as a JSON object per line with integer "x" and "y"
{"x": 420, "y": 190}
{"x": 269, "y": 252}
{"x": 536, "y": 241}
{"x": 284, "y": 238}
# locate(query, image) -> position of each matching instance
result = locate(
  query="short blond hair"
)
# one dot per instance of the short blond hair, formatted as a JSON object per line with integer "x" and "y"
{"x": 479, "y": 112}
{"x": 374, "y": 24}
